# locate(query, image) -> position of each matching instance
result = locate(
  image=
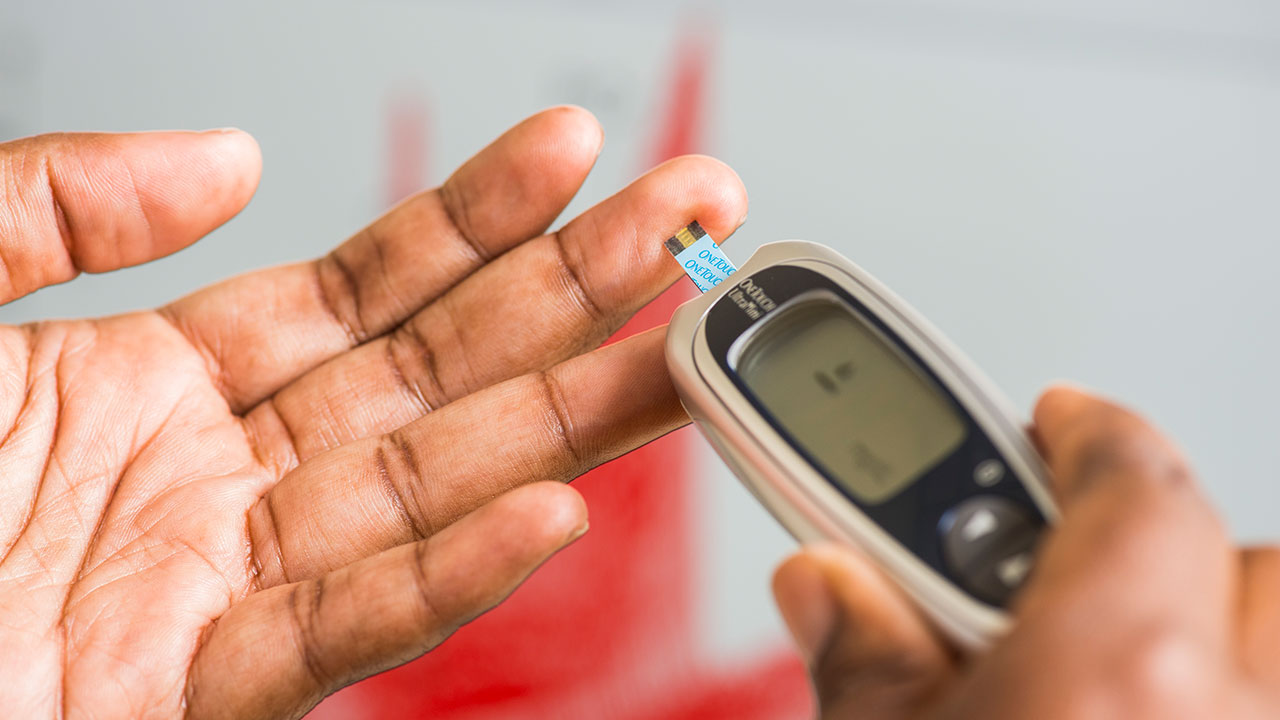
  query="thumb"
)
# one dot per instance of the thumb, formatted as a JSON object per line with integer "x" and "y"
{"x": 870, "y": 653}
{"x": 95, "y": 202}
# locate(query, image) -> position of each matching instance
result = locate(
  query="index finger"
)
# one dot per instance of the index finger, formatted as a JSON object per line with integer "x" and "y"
{"x": 1139, "y": 550}
{"x": 298, "y": 316}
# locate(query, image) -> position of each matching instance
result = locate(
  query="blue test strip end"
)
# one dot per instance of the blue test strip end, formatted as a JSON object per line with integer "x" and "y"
{"x": 702, "y": 259}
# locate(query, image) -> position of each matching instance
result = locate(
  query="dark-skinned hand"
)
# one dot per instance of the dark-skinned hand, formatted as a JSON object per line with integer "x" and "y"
{"x": 235, "y": 504}
{"x": 1140, "y": 607}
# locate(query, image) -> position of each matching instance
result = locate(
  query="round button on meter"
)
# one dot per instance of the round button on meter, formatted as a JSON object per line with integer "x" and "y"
{"x": 987, "y": 542}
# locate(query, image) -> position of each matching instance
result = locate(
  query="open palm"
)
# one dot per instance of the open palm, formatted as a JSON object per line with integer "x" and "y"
{"x": 238, "y": 503}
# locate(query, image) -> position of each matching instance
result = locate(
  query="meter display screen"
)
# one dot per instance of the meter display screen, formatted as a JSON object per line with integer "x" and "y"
{"x": 855, "y": 404}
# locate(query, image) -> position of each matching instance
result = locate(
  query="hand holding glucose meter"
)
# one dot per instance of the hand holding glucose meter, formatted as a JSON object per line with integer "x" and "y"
{"x": 852, "y": 419}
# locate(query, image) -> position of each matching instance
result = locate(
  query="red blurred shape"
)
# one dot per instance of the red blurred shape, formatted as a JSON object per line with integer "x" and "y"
{"x": 683, "y": 119}
{"x": 406, "y": 147}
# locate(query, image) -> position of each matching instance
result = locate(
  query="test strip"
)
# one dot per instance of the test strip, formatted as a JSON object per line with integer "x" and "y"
{"x": 703, "y": 261}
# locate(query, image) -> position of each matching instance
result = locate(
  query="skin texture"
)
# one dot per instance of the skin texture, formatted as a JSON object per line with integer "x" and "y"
{"x": 1140, "y": 606}
{"x": 236, "y": 504}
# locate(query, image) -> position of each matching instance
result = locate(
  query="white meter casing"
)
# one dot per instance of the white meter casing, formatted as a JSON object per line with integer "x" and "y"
{"x": 935, "y": 479}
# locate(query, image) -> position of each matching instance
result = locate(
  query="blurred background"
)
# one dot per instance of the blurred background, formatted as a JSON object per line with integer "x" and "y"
{"x": 1069, "y": 189}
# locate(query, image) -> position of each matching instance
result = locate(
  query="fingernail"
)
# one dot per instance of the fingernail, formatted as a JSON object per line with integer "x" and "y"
{"x": 578, "y": 532}
{"x": 807, "y": 606}
{"x": 222, "y": 131}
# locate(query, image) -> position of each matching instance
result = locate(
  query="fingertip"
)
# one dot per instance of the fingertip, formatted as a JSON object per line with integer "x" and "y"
{"x": 806, "y": 603}
{"x": 237, "y": 159}
{"x": 722, "y": 200}
{"x": 1059, "y": 401}
{"x": 579, "y": 124}
{"x": 238, "y": 148}
{"x": 568, "y": 138}
{"x": 179, "y": 173}
{"x": 517, "y": 185}
{"x": 556, "y": 511}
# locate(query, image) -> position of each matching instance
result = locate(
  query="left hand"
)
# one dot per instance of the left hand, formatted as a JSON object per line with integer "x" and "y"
{"x": 235, "y": 504}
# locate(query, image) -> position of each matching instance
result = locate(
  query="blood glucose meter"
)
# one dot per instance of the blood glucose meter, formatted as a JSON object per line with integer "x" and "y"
{"x": 853, "y": 420}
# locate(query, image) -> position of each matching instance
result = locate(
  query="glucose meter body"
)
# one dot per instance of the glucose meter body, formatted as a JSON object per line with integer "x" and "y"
{"x": 853, "y": 420}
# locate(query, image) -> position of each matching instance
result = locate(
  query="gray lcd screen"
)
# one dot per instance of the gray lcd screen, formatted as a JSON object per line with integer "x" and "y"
{"x": 852, "y": 401}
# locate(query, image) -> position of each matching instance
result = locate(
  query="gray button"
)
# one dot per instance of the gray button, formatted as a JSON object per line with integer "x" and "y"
{"x": 988, "y": 543}
{"x": 988, "y": 472}
{"x": 1014, "y": 569}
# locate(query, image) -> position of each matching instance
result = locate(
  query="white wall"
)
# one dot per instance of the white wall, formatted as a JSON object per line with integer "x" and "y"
{"x": 1081, "y": 190}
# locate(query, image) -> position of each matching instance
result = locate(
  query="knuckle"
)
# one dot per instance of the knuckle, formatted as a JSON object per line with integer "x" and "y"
{"x": 339, "y": 292}
{"x": 401, "y": 477}
{"x": 1112, "y": 443}
{"x": 401, "y": 372}
{"x": 416, "y": 363}
{"x": 456, "y": 203}
{"x": 574, "y": 276}
{"x": 266, "y": 555}
{"x": 558, "y": 418}
{"x": 305, "y": 606}
{"x": 37, "y": 227}
{"x": 431, "y": 615}
{"x": 449, "y": 329}
{"x": 1102, "y": 452}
